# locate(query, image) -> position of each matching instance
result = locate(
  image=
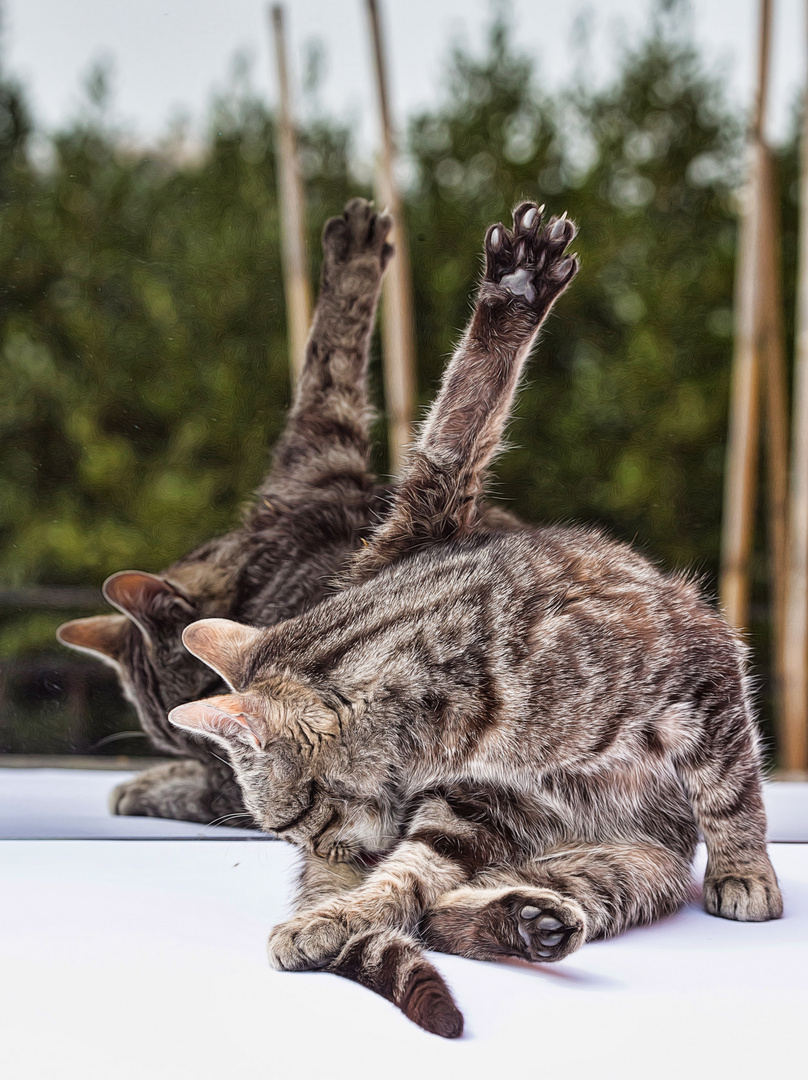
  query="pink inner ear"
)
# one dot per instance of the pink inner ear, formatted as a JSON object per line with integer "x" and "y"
{"x": 223, "y": 717}
{"x": 102, "y": 634}
{"x": 132, "y": 591}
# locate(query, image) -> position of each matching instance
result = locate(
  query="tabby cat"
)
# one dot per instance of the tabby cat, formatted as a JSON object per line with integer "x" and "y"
{"x": 494, "y": 744}
{"x": 315, "y": 506}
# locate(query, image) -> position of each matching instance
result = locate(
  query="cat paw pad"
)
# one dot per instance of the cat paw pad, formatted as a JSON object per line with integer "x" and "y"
{"x": 529, "y": 261}
{"x": 549, "y": 927}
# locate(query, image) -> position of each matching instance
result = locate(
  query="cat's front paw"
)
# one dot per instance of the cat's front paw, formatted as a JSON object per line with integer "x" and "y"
{"x": 308, "y": 941}
{"x": 358, "y": 236}
{"x": 527, "y": 264}
{"x": 745, "y": 897}
{"x": 282, "y": 949}
{"x": 177, "y": 790}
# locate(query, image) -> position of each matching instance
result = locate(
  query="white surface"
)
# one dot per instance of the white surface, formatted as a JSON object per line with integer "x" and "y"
{"x": 59, "y": 804}
{"x": 147, "y": 960}
{"x": 787, "y": 813}
{"x": 38, "y": 804}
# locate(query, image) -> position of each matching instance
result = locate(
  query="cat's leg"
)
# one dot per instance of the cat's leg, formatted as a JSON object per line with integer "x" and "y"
{"x": 545, "y": 910}
{"x": 526, "y": 270}
{"x": 388, "y": 962}
{"x": 321, "y": 879}
{"x": 182, "y": 790}
{"x": 326, "y": 441}
{"x": 319, "y": 500}
{"x": 441, "y": 852}
{"x": 718, "y": 762}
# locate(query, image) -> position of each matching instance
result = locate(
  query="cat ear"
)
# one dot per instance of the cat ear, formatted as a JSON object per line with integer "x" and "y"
{"x": 134, "y": 591}
{"x": 225, "y": 718}
{"x": 102, "y": 635}
{"x": 222, "y": 645}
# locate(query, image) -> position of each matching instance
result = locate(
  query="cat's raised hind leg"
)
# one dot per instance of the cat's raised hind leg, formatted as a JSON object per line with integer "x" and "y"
{"x": 526, "y": 271}
{"x": 327, "y": 434}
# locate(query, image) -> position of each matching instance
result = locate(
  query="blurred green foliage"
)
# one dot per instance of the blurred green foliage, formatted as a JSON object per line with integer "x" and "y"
{"x": 142, "y": 340}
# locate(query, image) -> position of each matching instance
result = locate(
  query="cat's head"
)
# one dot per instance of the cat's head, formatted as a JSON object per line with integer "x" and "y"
{"x": 144, "y": 646}
{"x": 284, "y": 736}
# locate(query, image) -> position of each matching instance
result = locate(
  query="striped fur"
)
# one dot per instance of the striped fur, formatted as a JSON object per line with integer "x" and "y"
{"x": 313, "y": 509}
{"x": 509, "y": 740}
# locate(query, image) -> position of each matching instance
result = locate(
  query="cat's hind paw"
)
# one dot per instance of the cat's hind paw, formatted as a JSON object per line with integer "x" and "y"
{"x": 528, "y": 262}
{"x": 532, "y": 923}
{"x": 548, "y": 927}
{"x": 360, "y": 232}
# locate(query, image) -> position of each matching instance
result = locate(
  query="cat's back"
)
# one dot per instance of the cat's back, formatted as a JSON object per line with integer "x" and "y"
{"x": 584, "y": 606}
{"x": 563, "y": 573}
{"x": 505, "y": 598}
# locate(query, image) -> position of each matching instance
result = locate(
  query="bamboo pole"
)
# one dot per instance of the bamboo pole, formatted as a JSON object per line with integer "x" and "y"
{"x": 291, "y": 203}
{"x": 794, "y": 750}
{"x": 398, "y": 337}
{"x": 771, "y": 348}
{"x": 742, "y": 442}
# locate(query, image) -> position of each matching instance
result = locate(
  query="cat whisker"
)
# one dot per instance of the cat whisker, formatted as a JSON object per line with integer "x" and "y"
{"x": 119, "y": 735}
{"x": 227, "y": 763}
{"x": 226, "y": 817}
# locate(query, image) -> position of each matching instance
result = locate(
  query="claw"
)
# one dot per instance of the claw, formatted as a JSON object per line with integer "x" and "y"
{"x": 563, "y": 268}
{"x": 557, "y": 231}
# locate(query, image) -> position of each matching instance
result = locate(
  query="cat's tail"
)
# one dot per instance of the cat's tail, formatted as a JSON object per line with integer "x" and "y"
{"x": 393, "y": 965}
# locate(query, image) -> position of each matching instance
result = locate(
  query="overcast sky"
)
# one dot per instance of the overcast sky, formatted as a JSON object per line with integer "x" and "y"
{"x": 168, "y": 56}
